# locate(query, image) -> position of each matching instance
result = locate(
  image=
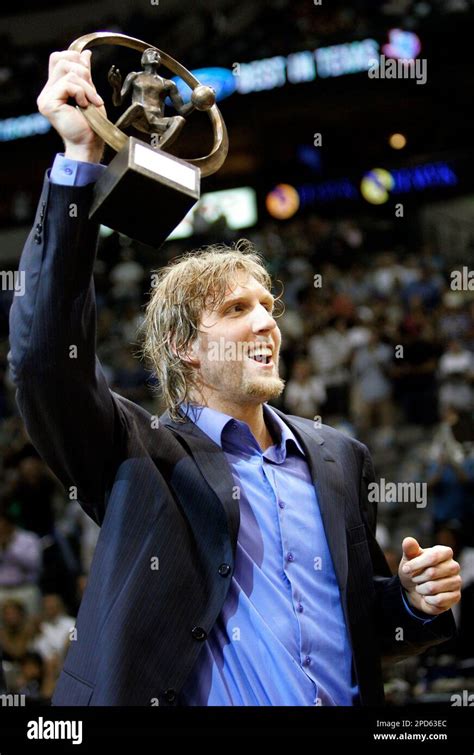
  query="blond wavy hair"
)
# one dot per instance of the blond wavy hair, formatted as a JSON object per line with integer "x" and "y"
{"x": 181, "y": 291}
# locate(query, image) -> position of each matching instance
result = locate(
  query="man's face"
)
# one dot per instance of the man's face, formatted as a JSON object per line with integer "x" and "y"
{"x": 237, "y": 351}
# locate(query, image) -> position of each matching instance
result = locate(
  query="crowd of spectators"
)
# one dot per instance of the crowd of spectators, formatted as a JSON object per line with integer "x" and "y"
{"x": 377, "y": 344}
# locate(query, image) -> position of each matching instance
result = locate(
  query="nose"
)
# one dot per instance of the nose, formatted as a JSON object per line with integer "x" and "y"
{"x": 263, "y": 321}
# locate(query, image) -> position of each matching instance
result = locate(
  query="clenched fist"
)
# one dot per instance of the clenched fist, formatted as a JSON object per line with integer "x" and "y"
{"x": 430, "y": 576}
{"x": 70, "y": 76}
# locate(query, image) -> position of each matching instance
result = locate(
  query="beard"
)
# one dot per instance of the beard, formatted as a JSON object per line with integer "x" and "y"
{"x": 262, "y": 388}
{"x": 239, "y": 382}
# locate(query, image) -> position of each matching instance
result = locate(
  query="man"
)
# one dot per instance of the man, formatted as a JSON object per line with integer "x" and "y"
{"x": 237, "y": 563}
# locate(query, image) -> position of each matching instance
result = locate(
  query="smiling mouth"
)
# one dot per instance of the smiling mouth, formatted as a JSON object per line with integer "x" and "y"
{"x": 265, "y": 360}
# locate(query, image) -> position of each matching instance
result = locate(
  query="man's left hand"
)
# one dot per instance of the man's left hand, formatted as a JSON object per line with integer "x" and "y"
{"x": 430, "y": 576}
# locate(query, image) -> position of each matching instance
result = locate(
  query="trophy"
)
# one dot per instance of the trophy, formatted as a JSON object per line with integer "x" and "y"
{"x": 145, "y": 192}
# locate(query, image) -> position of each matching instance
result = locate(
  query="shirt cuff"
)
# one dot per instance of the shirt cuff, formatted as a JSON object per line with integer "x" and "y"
{"x": 74, "y": 172}
{"x": 424, "y": 617}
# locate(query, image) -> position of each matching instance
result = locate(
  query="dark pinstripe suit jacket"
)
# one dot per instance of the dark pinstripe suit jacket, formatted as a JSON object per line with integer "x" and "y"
{"x": 166, "y": 492}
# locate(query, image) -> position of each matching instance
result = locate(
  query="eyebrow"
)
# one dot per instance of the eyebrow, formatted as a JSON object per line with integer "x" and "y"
{"x": 237, "y": 299}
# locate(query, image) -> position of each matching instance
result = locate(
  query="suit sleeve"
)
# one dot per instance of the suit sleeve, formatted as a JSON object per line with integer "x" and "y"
{"x": 400, "y": 632}
{"x": 76, "y": 423}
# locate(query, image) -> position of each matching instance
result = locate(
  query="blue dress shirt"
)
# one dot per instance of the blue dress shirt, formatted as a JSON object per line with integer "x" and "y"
{"x": 281, "y": 638}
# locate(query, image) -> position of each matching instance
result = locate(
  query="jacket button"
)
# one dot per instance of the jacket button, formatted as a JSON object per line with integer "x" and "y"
{"x": 37, "y": 238}
{"x": 198, "y": 633}
{"x": 170, "y": 695}
{"x": 224, "y": 570}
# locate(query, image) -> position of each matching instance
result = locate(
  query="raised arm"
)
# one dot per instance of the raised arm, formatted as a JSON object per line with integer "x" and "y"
{"x": 72, "y": 417}
{"x": 115, "y": 80}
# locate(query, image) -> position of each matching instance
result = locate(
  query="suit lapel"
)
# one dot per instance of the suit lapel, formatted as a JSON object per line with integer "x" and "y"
{"x": 213, "y": 466}
{"x": 326, "y": 473}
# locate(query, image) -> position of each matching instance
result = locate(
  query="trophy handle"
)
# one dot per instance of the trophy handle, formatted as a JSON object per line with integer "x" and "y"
{"x": 116, "y": 138}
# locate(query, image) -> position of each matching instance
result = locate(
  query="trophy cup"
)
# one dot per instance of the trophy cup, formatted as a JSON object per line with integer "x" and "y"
{"x": 145, "y": 192}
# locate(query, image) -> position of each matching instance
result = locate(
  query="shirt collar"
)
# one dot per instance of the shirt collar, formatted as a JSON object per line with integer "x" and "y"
{"x": 218, "y": 426}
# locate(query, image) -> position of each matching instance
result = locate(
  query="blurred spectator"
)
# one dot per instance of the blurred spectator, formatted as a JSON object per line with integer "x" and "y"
{"x": 414, "y": 373}
{"x": 386, "y": 275}
{"x": 330, "y": 352}
{"x": 16, "y": 630}
{"x": 454, "y": 318}
{"x": 456, "y": 373}
{"x": 371, "y": 386}
{"x": 450, "y": 479}
{"x": 356, "y": 284}
{"x": 36, "y": 679}
{"x": 20, "y": 564}
{"x": 427, "y": 289}
{"x": 305, "y": 392}
{"x": 31, "y": 494}
{"x": 54, "y": 630}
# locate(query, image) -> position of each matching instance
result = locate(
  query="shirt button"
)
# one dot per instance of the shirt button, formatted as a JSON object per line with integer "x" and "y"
{"x": 281, "y": 504}
{"x": 299, "y": 608}
{"x": 307, "y": 661}
{"x": 290, "y": 557}
{"x": 198, "y": 633}
{"x": 224, "y": 570}
{"x": 68, "y": 171}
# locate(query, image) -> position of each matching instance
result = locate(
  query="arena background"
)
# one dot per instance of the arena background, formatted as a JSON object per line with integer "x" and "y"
{"x": 373, "y": 245}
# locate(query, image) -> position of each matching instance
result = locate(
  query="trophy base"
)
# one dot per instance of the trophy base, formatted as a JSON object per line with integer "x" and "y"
{"x": 145, "y": 193}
